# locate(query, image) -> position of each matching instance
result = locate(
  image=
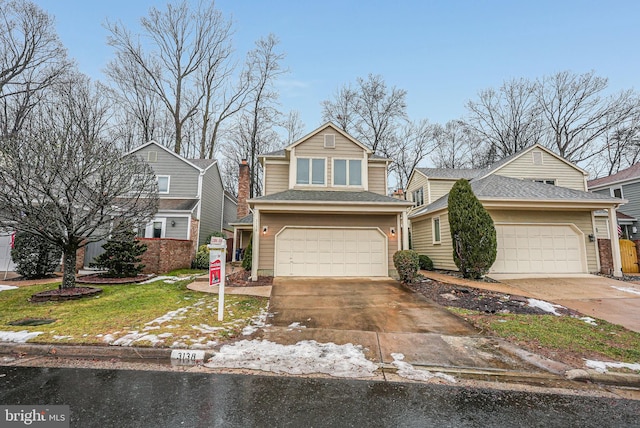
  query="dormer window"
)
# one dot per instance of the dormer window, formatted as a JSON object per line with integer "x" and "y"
{"x": 347, "y": 172}
{"x": 310, "y": 171}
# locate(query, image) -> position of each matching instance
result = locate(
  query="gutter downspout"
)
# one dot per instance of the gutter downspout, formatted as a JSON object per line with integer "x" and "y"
{"x": 615, "y": 243}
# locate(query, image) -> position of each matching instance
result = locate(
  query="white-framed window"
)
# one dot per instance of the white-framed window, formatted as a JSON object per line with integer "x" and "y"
{"x": 310, "y": 171}
{"x": 347, "y": 172}
{"x": 418, "y": 197}
{"x": 155, "y": 228}
{"x": 545, "y": 181}
{"x": 435, "y": 222}
{"x": 163, "y": 183}
{"x": 616, "y": 192}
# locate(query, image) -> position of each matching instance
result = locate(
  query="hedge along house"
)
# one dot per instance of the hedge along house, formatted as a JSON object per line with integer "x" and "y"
{"x": 324, "y": 210}
{"x": 192, "y": 203}
{"x": 543, "y": 213}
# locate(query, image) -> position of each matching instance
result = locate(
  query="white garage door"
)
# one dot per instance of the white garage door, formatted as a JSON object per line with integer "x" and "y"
{"x": 331, "y": 252}
{"x": 539, "y": 249}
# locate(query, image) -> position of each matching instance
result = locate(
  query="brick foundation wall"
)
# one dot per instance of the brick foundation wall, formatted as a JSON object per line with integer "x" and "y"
{"x": 164, "y": 254}
{"x": 606, "y": 258}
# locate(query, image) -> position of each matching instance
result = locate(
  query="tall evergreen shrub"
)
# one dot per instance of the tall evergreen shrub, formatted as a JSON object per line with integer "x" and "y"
{"x": 472, "y": 232}
{"x": 34, "y": 256}
{"x": 121, "y": 257}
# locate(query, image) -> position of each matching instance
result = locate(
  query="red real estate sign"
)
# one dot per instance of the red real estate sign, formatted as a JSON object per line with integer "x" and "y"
{"x": 214, "y": 272}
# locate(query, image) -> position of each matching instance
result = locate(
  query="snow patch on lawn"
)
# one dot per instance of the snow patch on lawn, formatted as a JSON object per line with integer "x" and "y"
{"x": 304, "y": 357}
{"x": 56, "y": 337}
{"x": 588, "y": 320}
{"x": 545, "y": 306}
{"x": 169, "y": 316}
{"x": 168, "y": 279}
{"x": 601, "y": 366}
{"x": 627, "y": 289}
{"x": 133, "y": 337}
{"x": 407, "y": 371}
{"x": 18, "y": 336}
{"x": 256, "y": 323}
{"x": 296, "y": 325}
{"x": 6, "y": 287}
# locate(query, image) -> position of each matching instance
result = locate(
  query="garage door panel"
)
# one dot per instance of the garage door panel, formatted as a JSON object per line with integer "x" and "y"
{"x": 331, "y": 252}
{"x": 539, "y": 249}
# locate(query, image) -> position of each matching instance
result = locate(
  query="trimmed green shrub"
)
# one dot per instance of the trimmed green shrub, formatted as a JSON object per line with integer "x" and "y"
{"x": 473, "y": 233}
{"x": 202, "y": 258}
{"x": 34, "y": 256}
{"x": 425, "y": 262}
{"x": 246, "y": 261}
{"x": 121, "y": 257}
{"x": 406, "y": 263}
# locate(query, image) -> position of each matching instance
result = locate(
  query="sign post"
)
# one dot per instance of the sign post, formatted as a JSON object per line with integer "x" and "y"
{"x": 217, "y": 260}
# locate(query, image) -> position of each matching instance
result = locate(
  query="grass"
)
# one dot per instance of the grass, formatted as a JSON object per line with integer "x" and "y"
{"x": 561, "y": 334}
{"x": 185, "y": 272}
{"x": 121, "y": 309}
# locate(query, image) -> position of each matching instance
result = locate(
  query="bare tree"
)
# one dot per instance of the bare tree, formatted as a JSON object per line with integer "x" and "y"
{"x": 413, "y": 143}
{"x": 261, "y": 115}
{"x": 577, "y": 115}
{"x": 370, "y": 111}
{"x": 183, "y": 65}
{"x": 62, "y": 181}
{"x": 455, "y": 145}
{"x": 32, "y": 58}
{"x": 294, "y": 127}
{"x": 507, "y": 119}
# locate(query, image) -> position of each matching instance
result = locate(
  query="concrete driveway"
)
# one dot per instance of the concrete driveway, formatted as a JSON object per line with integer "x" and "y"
{"x": 384, "y": 318}
{"x": 611, "y": 300}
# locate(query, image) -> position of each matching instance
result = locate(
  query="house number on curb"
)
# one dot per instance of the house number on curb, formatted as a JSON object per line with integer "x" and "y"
{"x": 183, "y": 356}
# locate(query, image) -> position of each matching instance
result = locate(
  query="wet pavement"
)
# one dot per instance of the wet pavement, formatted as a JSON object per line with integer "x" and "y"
{"x": 611, "y": 300}
{"x": 124, "y": 398}
{"x": 385, "y": 319}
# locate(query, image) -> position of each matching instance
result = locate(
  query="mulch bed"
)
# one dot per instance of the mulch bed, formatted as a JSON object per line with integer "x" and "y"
{"x": 476, "y": 299}
{"x": 64, "y": 294}
{"x": 96, "y": 278}
{"x": 240, "y": 278}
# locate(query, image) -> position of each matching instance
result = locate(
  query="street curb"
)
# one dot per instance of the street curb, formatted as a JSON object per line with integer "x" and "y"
{"x": 88, "y": 351}
{"x": 609, "y": 378}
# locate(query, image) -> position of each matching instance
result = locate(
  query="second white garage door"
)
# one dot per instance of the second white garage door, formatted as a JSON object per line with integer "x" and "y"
{"x": 331, "y": 252}
{"x": 539, "y": 249}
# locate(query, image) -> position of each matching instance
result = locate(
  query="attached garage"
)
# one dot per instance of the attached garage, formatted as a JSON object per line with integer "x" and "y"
{"x": 540, "y": 248}
{"x": 328, "y": 251}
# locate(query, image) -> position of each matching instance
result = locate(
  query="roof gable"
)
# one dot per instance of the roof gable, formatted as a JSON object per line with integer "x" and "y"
{"x": 495, "y": 167}
{"x": 177, "y": 156}
{"x": 333, "y": 128}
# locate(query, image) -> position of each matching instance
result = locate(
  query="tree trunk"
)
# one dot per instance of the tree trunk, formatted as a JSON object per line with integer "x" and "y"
{"x": 69, "y": 263}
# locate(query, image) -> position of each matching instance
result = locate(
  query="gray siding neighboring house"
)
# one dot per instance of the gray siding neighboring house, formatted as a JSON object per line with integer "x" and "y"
{"x": 626, "y": 185}
{"x": 190, "y": 192}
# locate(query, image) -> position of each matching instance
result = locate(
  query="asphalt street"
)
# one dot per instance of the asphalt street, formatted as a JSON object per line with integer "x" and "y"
{"x": 122, "y": 398}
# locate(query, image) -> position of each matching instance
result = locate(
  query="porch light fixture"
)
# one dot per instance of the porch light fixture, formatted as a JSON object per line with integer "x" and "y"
{"x": 592, "y": 237}
{"x": 264, "y": 229}
{"x": 173, "y": 223}
{"x": 393, "y": 231}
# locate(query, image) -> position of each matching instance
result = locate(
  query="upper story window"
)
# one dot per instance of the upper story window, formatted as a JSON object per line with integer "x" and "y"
{"x": 163, "y": 183}
{"x": 545, "y": 181}
{"x": 418, "y": 197}
{"x": 347, "y": 172}
{"x": 310, "y": 171}
{"x": 616, "y": 192}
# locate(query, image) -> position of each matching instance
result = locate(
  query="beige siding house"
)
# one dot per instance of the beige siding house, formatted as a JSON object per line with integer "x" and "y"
{"x": 546, "y": 220}
{"x": 324, "y": 211}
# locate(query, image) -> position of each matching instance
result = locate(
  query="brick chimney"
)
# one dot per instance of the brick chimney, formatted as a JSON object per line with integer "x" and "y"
{"x": 243, "y": 189}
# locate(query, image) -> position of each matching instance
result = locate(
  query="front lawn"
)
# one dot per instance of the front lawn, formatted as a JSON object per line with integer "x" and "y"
{"x": 564, "y": 338}
{"x": 162, "y": 313}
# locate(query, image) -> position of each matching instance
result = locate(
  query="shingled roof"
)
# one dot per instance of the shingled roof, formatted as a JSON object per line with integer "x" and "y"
{"x": 633, "y": 172}
{"x": 329, "y": 197}
{"x": 498, "y": 187}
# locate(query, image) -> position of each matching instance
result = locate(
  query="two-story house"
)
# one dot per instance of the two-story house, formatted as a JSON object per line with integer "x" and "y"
{"x": 624, "y": 184}
{"x": 542, "y": 211}
{"x": 324, "y": 210}
{"x": 192, "y": 202}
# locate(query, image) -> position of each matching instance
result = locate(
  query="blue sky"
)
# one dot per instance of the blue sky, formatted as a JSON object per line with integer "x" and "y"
{"x": 442, "y": 53}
